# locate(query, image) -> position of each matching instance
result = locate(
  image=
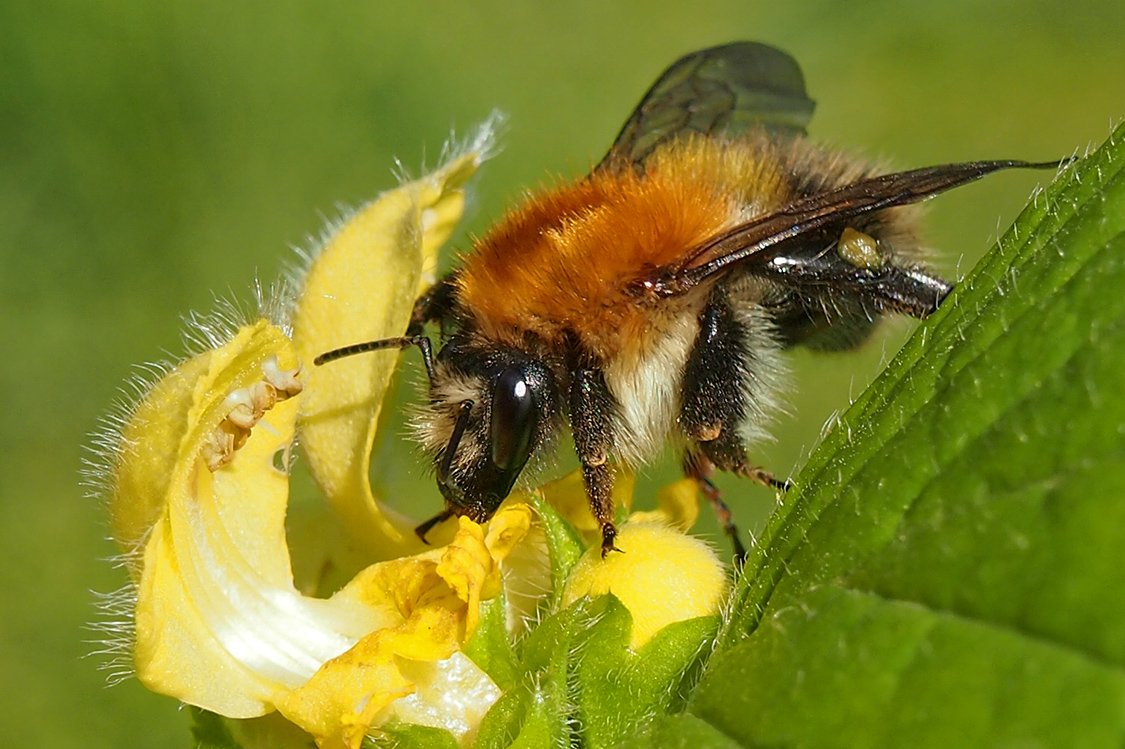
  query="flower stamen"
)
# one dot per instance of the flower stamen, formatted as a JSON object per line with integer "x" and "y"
{"x": 247, "y": 406}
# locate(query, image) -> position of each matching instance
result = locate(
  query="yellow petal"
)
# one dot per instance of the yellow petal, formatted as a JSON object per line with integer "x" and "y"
{"x": 436, "y": 596}
{"x": 150, "y": 441}
{"x": 218, "y": 622}
{"x": 361, "y": 287}
{"x": 469, "y": 569}
{"x": 200, "y": 499}
{"x": 568, "y": 496}
{"x": 677, "y": 505}
{"x": 519, "y": 544}
{"x": 471, "y": 564}
{"x": 507, "y": 529}
{"x": 663, "y": 576}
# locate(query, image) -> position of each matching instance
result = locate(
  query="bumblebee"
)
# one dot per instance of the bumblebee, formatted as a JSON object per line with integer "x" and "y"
{"x": 651, "y": 302}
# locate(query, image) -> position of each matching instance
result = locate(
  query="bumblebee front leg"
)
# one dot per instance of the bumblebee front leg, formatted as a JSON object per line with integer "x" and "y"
{"x": 590, "y": 407}
{"x": 434, "y": 305}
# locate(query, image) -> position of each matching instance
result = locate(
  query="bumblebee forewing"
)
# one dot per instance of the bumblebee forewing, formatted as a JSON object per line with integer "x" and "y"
{"x": 757, "y": 244}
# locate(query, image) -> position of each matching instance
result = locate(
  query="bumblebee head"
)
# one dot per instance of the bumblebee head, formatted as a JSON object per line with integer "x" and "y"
{"x": 489, "y": 410}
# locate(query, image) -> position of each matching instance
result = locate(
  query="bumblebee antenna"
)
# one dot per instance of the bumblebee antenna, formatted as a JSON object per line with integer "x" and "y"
{"x": 421, "y": 341}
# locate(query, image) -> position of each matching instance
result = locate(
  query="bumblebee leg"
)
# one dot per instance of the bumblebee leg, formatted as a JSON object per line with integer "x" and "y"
{"x": 725, "y": 449}
{"x": 763, "y": 477}
{"x": 728, "y": 453}
{"x": 721, "y": 377}
{"x": 590, "y": 406}
{"x": 427, "y": 526}
{"x": 599, "y": 489}
{"x": 434, "y": 305}
{"x": 699, "y": 467}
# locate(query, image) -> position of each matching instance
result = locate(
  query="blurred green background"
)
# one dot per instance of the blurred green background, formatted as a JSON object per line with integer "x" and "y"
{"x": 156, "y": 154}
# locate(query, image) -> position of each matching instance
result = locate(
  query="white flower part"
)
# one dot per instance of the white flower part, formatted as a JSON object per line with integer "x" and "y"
{"x": 453, "y": 694}
{"x": 284, "y": 380}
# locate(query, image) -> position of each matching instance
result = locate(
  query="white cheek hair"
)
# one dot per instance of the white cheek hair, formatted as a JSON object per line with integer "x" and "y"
{"x": 431, "y": 424}
{"x": 647, "y": 390}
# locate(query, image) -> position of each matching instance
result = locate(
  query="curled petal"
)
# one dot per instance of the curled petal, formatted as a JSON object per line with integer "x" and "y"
{"x": 508, "y": 528}
{"x": 219, "y": 623}
{"x": 361, "y": 287}
{"x": 677, "y": 505}
{"x": 214, "y": 588}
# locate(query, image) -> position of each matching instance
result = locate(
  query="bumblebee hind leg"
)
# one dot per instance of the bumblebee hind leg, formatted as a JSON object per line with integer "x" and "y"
{"x": 726, "y": 382}
{"x": 700, "y": 462}
{"x": 699, "y": 467}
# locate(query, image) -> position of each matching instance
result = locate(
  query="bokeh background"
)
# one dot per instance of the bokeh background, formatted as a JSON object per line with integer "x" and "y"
{"x": 156, "y": 154}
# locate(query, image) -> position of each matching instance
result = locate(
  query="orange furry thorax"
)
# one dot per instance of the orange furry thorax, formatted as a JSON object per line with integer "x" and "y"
{"x": 564, "y": 261}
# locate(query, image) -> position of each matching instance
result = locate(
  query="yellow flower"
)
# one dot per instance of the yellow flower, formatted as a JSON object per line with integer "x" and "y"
{"x": 663, "y": 576}
{"x": 362, "y": 287}
{"x": 200, "y": 490}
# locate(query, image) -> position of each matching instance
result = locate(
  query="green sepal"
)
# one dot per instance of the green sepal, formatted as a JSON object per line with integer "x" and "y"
{"x": 618, "y": 690}
{"x": 682, "y": 731}
{"x": 410, "y": 736}
{"x": 490, "y": 647}
{"x": 527, "y": 716}
{"x": 563, "y": 544}
{"x": 537, "y": 710}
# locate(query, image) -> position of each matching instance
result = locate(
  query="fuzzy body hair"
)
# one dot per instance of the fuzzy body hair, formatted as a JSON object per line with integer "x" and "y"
{"x": 647, "y": 388}
{"x": 559, "y": 270}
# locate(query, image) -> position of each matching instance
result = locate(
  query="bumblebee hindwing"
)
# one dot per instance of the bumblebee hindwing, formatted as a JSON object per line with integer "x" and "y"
{"x": 720, "y": 90}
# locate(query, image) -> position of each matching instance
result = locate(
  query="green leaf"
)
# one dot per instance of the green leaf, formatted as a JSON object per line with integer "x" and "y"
{"x": 543, "y": 722}
{"x": 577, "y": 670}
{"x": 407, "y": 736}
{"x": 504, "y": 720}
{"x": 563, "y": 544}
{"x": 683, "y": 731}
{"x": 949, "y": 570}
{"x": 537, "y": 711}
{"x": 618, "y": 691}
{"x": 490, "y": 648}
{"x": 211, "y": 731}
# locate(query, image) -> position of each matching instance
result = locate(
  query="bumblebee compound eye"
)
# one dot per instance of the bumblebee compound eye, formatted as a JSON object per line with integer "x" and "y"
{"x": 512, "y": 412}
{"x": 515, "y": 416}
